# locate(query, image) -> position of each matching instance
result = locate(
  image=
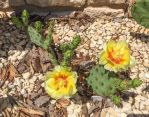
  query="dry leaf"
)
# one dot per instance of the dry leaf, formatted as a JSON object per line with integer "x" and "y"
{"x": 31, "y": 111}
{"x": 11, "y": 73}
{"x": 31, "y": 69}
{"x": 55, "y": 38}
{"x": 41, "y": 100}
{"x": 2, "y": 74}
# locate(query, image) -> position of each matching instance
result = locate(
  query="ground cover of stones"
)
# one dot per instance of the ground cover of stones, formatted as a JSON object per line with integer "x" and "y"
{"x": 24, "y": 64}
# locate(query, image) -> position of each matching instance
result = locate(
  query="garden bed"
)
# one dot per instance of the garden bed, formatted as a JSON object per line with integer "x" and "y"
{"x": 24, "y": 65}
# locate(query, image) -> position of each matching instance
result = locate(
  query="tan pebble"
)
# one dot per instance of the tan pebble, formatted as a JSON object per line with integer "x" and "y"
{"x": 134, "y": 70}
{"x": 26, "y": 75}
{"x": 147, "y": 107}
{"x": 142, "y": 106}
{"x": 137, "y": 104}
{"x": 126, "y": 106}
{"x": 136, "y": 111}
{"x": 146, "y": 75}
{"x": 123, "y": 115}
{"x": 145, "y": 111}
{"x": 135, "y": 54}
{"x": 141, "y": 75}
{"x": 146, "y": 65}
{"x": 103, "y": 114}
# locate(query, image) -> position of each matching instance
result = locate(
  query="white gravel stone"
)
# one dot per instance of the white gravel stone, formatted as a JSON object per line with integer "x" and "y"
{"x": 26, "y": 75}
{"x": 123, "y": 115}
{"x": 147, "y": 75}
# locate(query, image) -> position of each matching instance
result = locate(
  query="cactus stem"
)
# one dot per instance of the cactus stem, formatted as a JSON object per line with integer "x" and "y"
{"x": 52, "y": 56}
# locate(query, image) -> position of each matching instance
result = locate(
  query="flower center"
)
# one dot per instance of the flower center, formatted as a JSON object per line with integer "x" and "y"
{"x": 61, "y": 81}
{"x": 115, "y": 57}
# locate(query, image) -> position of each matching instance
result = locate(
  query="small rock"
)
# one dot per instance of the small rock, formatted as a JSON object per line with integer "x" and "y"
{"x": 137, "y": 104}
{"x": 1, "y": 65}
{"x": 146, "y": 65}
{"x": 97, "y": 98}
{"x": 147, "y": 75}
{"x": 123, "y": 115}
{"x": 41, "y": 100}
{"x": 103, "y": 114}
{"x": 142, "y": 106}
{"x": 127, "y": 107}
{"x": 7, "y": 34}
{"x": 34, "y": 95}
{"x": 26, "y": 75}
{"x": 3, "y": 53}
{"x": 23, "y": 91}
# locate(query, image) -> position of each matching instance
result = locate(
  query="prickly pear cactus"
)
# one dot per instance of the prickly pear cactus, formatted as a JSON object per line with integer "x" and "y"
{"x": 108, "y": 84}
{"x": 38, "y": 26}
{"x": 23, "y": 21}
{"x": 140, "y": 12}
{"x": 38, "y": 39}
{"x": 25, "y": 17}
{"x": 103, "y": 82}
{"x": 68, "y": 50}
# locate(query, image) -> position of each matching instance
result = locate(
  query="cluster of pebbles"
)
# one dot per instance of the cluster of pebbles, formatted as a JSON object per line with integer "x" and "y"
{"x": 14, "y": 45}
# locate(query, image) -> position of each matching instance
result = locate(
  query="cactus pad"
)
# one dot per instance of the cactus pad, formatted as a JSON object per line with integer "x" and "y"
{"x": 38, "y": 39}
{"x": 140, "y": 12}
{"x": 108, "y": 84}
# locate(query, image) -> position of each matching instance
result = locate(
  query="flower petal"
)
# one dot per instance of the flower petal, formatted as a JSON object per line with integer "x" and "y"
{"x": 103, "y": 58}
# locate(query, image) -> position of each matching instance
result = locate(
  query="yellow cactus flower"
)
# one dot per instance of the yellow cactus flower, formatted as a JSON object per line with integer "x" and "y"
{"x": 116, "y": 56}
{"x": 61, "y": 82}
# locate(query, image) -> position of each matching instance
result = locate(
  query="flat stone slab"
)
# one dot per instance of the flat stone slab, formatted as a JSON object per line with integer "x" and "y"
{"x": 59, "y": 3}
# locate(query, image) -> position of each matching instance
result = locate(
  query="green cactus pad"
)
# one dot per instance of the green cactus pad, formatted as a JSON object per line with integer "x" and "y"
{"x": 17, "y": 22}
{"x": 140, "y": 12}
{"x": 25, "y": 17}
{"x": 103, "y": 82}
{"x": 108, "y": 84}
{"x": 38, "y": 39}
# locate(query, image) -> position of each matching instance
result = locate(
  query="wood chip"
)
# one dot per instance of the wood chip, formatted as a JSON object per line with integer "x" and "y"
{"x": 41, "y": 100}
{"x": 64, "y": 102}
{"x": 31, "y": 111}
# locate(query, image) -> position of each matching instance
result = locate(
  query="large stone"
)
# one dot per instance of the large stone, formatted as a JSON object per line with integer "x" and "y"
{"x": 59, "y": 3}
{"x": 16, "y": 2}
{"x": 10, "y": 3}
{"x": 104, "y": 2}
{"x": 42, "y": 3}
{"x": 47, "y": 3}
{"x": 4, "y": 3}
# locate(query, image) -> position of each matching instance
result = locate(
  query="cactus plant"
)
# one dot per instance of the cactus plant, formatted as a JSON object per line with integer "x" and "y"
{"x": 140, "y": 12}
{"x": 45, "y": 43}
{"x": 37, "y": 38}
{"x": 108, "y": 84}
{"x": 68, "y": 50}
{"x": 25, "y": 17}
{"x": 38, "y": 26}
{"x": 17, "y": 22}
{"x": 23, "y": 21}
